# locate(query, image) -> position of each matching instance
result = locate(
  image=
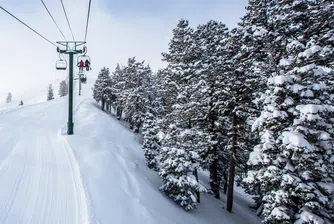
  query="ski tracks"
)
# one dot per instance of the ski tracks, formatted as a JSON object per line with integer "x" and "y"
{"x": 83, "y": 216}
{"x": 40, "y": 180}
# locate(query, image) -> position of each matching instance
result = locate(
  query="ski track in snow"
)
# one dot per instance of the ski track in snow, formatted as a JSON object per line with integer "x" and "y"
{"x": 39, "y": 177}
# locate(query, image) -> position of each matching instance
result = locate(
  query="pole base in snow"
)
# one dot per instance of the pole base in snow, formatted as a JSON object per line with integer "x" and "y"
{"x": 70, "y": 128}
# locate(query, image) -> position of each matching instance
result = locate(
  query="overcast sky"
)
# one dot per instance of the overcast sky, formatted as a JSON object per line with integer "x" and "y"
{"x": 118, "y": 29}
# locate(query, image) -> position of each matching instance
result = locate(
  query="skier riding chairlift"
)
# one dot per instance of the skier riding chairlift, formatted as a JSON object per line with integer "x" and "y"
{"x": 81, "y": 65}
{"x": 87, "y": 65}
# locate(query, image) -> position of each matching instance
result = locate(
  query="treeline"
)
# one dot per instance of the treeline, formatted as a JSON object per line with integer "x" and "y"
{"x": 253, "y": 105}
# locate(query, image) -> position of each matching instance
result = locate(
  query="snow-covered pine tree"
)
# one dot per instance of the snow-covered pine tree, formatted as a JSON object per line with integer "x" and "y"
{"x": 117, "y": 88}
{"x": 50, "y": 95}
{"x": 155, "y": 112}
{"x": 325, "y": 19}
{"x": 141, "y": 95}
{"x": 237, "y": 89}
{"x": 256, "y": 38}
{"x": 9, "y": 98}
{"x": 293, "y": 160}
{"x": 129, "y": 74}
{"x": 165, "y": 89}
{"x": 211, "y": 40}
{"x": 137, "y": 81}
{"x": 63, "y": 90}
{"x": 102, "y": 87}
{"x": 150, "y": 146}
{"x": 178, "y": 155}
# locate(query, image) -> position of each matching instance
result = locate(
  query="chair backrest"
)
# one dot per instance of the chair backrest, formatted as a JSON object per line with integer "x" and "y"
{"x": 61, "y": 65}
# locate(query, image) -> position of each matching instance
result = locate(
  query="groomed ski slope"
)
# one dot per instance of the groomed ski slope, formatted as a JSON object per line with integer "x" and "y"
{"x": 39, "y": 180}
{"x": 98, "y": 175}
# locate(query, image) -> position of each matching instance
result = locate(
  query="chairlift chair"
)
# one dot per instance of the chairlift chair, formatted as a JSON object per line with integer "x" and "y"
{"x": 83, "y": 78}
{"x": 61, "y": 64}
{"x": 84, "y": 57}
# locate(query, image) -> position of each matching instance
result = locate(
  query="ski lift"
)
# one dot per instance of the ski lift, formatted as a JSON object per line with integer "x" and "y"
{"x": 83, "y": 78}
{"x": 85, "y": 59}
{"x": 61, "y": 64}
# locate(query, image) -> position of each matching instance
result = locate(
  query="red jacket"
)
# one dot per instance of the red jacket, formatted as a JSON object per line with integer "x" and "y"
{"x": 81, "y": 63}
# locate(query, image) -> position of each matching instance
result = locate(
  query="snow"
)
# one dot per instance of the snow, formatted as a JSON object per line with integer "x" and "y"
{"x": 308, "y": 217}
{"x": 294, "y": 140}
{"x": 255, "y": 157}
{"x": 279, "y": 80}
{"x": 279, "y": 213}
{"x": 310, "y": 51}
{"x": 306, "y": 68}
{"x": 285, "y": 62}
{"x": 97, "y": 175}
{"x": 260, "y": 32}
{"x": 313, "y": 108}
{"x": 295, "y": 88}
{"x": 319, "y": 71}
{"x": 39, "y": 180}
{"x": 319, "y": 86}
{"x": 329, "y": 187}
{"x": 289, "y": 101}
{"x": 294, "y": 44}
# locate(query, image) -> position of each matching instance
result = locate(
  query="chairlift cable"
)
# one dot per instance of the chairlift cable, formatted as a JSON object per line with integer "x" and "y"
{"x": 90, "y": 1}
{"x": 53, "y": 19}
{"x": 69, "y": 25}
{"x": 28, "y": 26}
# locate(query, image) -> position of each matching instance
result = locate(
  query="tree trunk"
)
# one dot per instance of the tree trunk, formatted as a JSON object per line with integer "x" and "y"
{"x": 137, "y": 127}
{"x": 197, "y": 192}
{"x": 225, "y": 183}
{"x": 232, "y": 168}
{"x": 103, "y": 105}
{"x": 260, "y": 210}
{"x": 119, "y": 113}
{"x": 214, "y": 183}
{"x": 131, "y": 123}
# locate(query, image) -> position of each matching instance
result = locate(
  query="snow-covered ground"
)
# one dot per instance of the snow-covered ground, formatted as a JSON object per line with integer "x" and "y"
{"x": 97, "y": 175}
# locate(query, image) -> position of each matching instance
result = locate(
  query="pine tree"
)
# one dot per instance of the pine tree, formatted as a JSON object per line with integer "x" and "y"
{"x": 179, "y": 155}
{"x": 211, "y": 40}
{"x": 150, "y": 130}
{"x": 9, "y": 98}
{"x": 257, "y": 62}
{"x": 63, "y": 90}
{"x": 293, "y": 161}
{"x": 177, "y": 170}
{"x": 135, "y": 93}
{"x": 117, "y": 89}
{"x": 237, "y": 90}
{"x": 129, "y": 72}
{"x": 102, "y": 87}
{"x": 150, "y": 146}
{"x": 50, "y": 95}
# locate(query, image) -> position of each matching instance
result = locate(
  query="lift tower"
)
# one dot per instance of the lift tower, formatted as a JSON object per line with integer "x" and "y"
{"x": 70, "y": 49}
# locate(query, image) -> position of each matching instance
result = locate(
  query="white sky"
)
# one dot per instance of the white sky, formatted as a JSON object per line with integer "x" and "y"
{"x": 28, "y": 62}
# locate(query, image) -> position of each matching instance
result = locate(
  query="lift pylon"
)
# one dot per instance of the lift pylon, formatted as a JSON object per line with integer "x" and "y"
{"x": 71, "y": 48}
